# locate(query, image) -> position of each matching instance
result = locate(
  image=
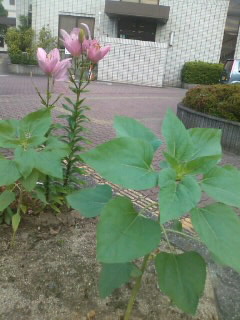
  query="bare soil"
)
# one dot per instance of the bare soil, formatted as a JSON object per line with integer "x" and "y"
{"x": 52, "y": 274}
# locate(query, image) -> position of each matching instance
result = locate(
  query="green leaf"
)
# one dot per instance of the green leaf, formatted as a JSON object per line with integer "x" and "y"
{"x": 29, "y": 183}
{"x": 25, "y": 160}
{"x": 177, "y": 225}
{"x": 202, "y": 164}
{"x": 124, "y": 161}
{"x": 49, "y": 163}
{"x": 219, "y": 228}
{"x": 16, "y": 218}
{"x": 129, "y": 127}
{"x": 223, "y": 185}
{"x": 113, "y": 276}
{"x": 176, "y": 197}
{"x": 124, "y": 235}
{"x": 179, "y": 143}
{"x": 36, "y": 123}
{"x": 8, "y": 172}
{"x": 182, "y": 278}
{"x": 9, "y": 133}
{"x": 207, "y": 142}
{"x": 57, "y": 146}
{"x": 6, "y": 198}
{"x": 90, "y": 201}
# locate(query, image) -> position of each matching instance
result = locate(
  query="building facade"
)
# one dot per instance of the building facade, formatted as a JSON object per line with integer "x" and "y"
{"x": 150, "y": 40}
{"x": 9, "y": 21}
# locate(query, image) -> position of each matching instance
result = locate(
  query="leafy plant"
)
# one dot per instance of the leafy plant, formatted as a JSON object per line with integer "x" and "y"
{"x": 200, "y": 72}
{"x": 125, "y": 234}
{"x": 46, "y": 40}
{"x": 35, "y": 156}
{"x": 20, "y": 43}
{"x": 222, "y": 101}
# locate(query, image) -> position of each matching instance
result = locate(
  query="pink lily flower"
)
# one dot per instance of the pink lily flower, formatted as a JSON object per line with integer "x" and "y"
{"x": 52, "y": 65}
{"x": 96, "y": 53}
{"x": 72, "y": 43}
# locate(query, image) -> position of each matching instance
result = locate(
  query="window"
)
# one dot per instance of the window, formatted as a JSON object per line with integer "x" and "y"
{"x": 137, "y": 29}
{"x": 12, "y": 2}
{"x": 69, "y": 22}
{"x": 143, "y": 1}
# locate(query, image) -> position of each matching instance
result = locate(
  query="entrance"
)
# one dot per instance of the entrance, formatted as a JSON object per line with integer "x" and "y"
{"x": 137, "y": 29}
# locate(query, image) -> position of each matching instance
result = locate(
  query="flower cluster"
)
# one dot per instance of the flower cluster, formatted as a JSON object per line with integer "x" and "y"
{"x": 77, "y": 44}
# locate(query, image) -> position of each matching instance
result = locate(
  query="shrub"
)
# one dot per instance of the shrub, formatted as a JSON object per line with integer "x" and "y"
{"x": 21, "y": 48}
{"x": 23, "y": 58}
{"x": 217, "y": 100}
{"x": 46, "y": 40}
{"x": 201, "y": 72}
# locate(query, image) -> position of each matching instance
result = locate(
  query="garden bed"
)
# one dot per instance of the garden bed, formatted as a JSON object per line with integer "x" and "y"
{"x": 51, "y": 274}
{"x": 230, "y": 129}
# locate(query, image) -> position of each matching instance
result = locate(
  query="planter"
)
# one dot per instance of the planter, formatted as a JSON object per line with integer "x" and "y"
{"x": 230, "y": 129}
{"x": 25, "y": 69}
{"x": 189, "y": 85}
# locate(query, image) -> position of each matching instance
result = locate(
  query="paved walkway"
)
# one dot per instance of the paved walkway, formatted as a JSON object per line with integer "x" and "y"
{"x": 149, "y": 105}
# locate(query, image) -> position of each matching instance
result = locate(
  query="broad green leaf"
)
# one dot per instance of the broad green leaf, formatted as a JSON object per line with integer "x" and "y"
{"x": 113, "y": 276}
{"x": 179, "y": 143}
{"x": 202, "y": 164}
{"x": 206, "y": 141}
{"x": 182, "y": 278}
{"x": 29, "y": 183}
{"x": 176, "y": 198}
{"x": 9, "y": 133}
{"x": 129, "y": 127}
{"x": 36, "y": 123}
{"x": 124, "y": 161}
{"x": 8, "y": 172}
{"x": 25, "y": 160}
{"x": 124, "y": 235}
{"x": 223, "y": 185}
{"x": 6, "y": 198}
{"x": 90, "y": 201}
{"x": 219, "y": 228}
{"x": 48, "y": 163}
{"x": 16, "y": 218}
{"x": 59, "y": 147}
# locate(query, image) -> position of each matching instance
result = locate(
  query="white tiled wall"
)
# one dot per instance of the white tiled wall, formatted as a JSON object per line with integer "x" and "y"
{"x": 133, "y": 61}
{"x": 198, "y": 27}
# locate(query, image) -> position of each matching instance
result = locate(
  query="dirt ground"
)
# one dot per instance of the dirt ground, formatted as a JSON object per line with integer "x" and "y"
{"x": 51, "y": 274}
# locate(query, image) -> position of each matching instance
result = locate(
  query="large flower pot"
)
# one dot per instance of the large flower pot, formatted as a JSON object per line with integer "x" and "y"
{"x": 230, "y": 129}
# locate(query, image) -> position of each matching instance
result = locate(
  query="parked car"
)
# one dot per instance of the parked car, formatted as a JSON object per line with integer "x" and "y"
{"x": 231, "y": 72}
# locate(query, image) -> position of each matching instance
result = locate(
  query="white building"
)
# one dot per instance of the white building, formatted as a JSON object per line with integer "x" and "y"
{"x": 150, "y": 40}
{"x": 10, "y": 20}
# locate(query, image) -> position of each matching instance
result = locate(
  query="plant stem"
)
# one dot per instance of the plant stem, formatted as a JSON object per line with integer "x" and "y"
{"x": 183, "y": 234}
{"x": 136, "y": 289}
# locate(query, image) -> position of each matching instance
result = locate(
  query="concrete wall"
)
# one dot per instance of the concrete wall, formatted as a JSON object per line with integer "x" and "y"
{"x": 134, "y": 62}
{"x": 198, "y": 27}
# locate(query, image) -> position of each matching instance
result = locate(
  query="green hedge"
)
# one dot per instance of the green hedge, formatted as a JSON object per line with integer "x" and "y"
{"x": 201, "y": 72}
{"x": 23, "y": 58}
{"x": 218, "y": 100}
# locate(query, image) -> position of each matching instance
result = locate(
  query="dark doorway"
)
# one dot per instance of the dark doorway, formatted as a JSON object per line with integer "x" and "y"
{"x": 231, "y": 31}
{"x": 137, "y": 29}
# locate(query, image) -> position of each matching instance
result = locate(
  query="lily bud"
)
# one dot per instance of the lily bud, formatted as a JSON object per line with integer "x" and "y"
{"x": 81, "y": 36}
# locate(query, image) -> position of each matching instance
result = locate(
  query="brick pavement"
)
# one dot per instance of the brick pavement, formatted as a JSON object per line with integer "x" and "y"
{"x": 149, "y": 105}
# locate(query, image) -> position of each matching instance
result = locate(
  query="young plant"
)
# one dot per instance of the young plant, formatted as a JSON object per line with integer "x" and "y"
{"x": 86, "y": 53}
{"x": 35, "y": 157}
{"x": 125, "y": 234}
